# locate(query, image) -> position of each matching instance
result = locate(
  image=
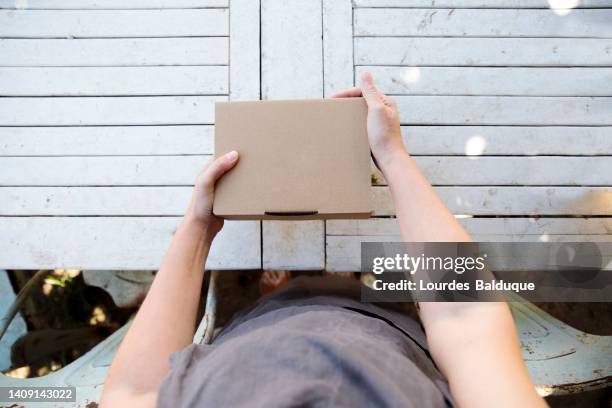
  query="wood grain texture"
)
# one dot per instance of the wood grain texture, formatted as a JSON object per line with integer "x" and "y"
{"x": 505, "y": 110}
{"x": 137, "y": 243}
{"x": 109, "y": 4}
{"x": 113, "y": 23}
{"x": 452, "y": 22}
{"x": 173, "y": 200}
{"x": 114, "y": 52}
{"x": 483, "y": 51}
{"x": 495, "y": 4}
{"x": 337, "y": 46}
{"x": 154, "y": 110}
{"x": 113, "y": 81}
{"x": 508, "y": 140}
{"x": 181, "y": 170}
{"x": 106, "y": 140}
{"x": 291, "y": 41}
{"x": 491, "y": 81}
{"x": 494, "y": 201}
{"x": 101, "y": 170}
{"x": 244, "y": 50}
{"x": 509, "y": 171}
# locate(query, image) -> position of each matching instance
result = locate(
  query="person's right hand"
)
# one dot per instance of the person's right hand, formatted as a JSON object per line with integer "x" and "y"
{"x": 383, "y": 120}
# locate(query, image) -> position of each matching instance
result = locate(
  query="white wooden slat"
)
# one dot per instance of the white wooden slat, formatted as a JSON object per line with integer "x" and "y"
{"x": 244, "y": 50}
{"x": 453, "y": 22}
{"x": 172, "y": 201}
{"x": 113, "y": 23}
{"x": 114, "y": 52}
{"x": 113, "y": 81}
{"x": 337, "y": 46}
{"x": 150, "y": 110}
{"x": 505, "y": 110}
{"x": 101, "y": 170}
{"x": 508, "y": 140}
{"x": 482, "y": 226}
{"x": 292, "y": 67}
{"x": 344, "y": 237}
{"x": 492, "y": 81}
{"x": 106, "y": 140}
{"x": 94, "y": 201}
{"x": 500, "y": 171}
{"x": 181, "y": 170}
{"x": 109, "y": 4}
{"x": 529, "y": 4}
{"x": 483, "y": 51}
{"x": 115, "y": 243}
{"x": 291, "y": 42}
{"x": 511, "y": 200}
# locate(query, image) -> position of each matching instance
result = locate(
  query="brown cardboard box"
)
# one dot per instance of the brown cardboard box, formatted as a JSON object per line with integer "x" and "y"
{"x": 299, "y": 159}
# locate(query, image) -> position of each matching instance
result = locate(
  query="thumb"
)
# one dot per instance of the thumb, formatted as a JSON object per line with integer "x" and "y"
{"x": 218, "y": 168}
{"x": 369, "y": 90}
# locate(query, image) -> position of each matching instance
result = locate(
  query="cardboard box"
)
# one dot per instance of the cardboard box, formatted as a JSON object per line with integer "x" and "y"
{"x": 299, "y": 159}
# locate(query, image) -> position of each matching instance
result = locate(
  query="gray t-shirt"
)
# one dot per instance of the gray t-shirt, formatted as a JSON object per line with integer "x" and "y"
{"x": 301, "y": 348}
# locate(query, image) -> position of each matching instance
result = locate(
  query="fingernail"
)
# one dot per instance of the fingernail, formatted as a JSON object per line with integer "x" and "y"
{"x": 231, "y": 156}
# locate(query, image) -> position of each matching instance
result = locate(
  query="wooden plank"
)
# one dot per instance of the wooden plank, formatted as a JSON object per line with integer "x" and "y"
{"x": 511, "y": 200}
{"x": 106, "y": 140}
{"x": 113, "y": 81}
{"x": 507, "y": 140}
{"x": 343, "y": 242}
{"x": 483, "y": 51}
{"x": 113, "y": 23}
{"x": 291, "y": 43}
{"x": 337, "y": 46}
{"x": 505, "y": 110}
{"x": 115, "y": 243}
{"x": 292, "y": 67}
{"x": 244, "y": 50}
{"x": 293, "y": 245}
{"x": 109, "y": 4}
{"x": 482, "y": 226}
{"x": 150, "y": 110}
{"x": 181, "y": 170}
{"x": 172, "y": 201}
{"x": 452, "y": 22}
{"x": 101, "y": 170}
{"x": 495, "y": 4}
{"x": 491, "y": 81}
{"x": 508, "y": 171}
{"x": 114, "y": 52}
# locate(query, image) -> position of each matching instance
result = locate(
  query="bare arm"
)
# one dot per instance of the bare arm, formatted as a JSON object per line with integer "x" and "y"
{"x": 166, "y": 320}
{"x": 474, "y": 344}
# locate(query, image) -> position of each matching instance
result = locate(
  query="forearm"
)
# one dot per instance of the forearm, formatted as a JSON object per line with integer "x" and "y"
{"x": 474, "y": 344}
{"x": 422, "y": 216}
{"x": 166, "y": 320}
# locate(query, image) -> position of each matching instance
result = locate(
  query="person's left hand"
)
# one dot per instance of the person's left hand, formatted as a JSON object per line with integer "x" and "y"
{"x": 201, "y": 207}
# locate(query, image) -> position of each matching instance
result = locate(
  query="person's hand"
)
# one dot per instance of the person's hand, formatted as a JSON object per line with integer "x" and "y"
{"x": 383, "y": 120}
{"x": 200, "y": 209}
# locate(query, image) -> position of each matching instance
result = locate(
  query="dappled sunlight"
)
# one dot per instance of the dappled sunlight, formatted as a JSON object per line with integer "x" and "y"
{"x": 410, "y": 75}
{"x": 475, "y": 146}
{"x": 21, "y": 4}
{"x": 544, "y": 238}
{"x": 563, "y": 7}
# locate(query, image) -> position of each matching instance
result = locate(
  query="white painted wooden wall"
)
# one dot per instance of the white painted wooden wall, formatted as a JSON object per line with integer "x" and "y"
{"x": 107, "y": 110}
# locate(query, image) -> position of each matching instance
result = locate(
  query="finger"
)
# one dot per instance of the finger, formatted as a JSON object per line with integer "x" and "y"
{"x": 348, "y": 93}
{"x": 368, "y": 89}
{"x": 218, "y": 168}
